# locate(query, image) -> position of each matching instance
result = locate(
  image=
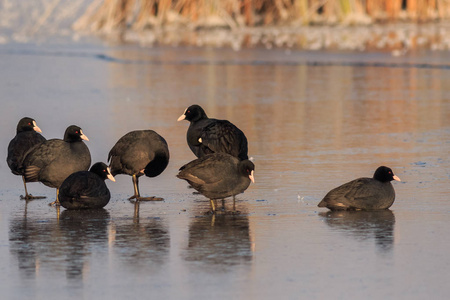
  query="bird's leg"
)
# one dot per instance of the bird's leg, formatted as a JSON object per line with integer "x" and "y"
{"x": 213, "y": 206}
{"x": 56, "y": 202}
{"x": 235, "y": 212}
{"x": 137, "y": 195}
{"x": 29, "y": 196}
{"x": 223, "y": 204}
{"x": 136, "y": 187}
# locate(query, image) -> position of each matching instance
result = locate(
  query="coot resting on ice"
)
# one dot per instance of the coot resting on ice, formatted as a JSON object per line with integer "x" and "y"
{"x": 218, "y": 176}
{"x": 86, "y": 189}
{"x": 54, "y": 160}
{"x": 137, "y": 153}
{"x": 363, "y": 193}
{"x": 27, "y": 138}
{"x": 207, "y": 136}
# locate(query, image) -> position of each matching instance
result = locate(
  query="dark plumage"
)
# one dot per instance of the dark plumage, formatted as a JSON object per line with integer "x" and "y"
{"x": 86, "y": 189}
{"x": 218, "y": 176}
{"x": 54, "y": 160}
{"x": 26, "y": 139}
{"x": 363, "y": 193}
{"x": 206, "y": 136}
{"x": 137, "y": 153}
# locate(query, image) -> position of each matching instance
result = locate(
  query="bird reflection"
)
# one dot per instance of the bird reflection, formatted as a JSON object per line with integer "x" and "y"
{"x": 141, "y": 242}
{"x": 219, "y": 240}
{"x": 58, "y": 244}
{"x": 81, "y": 230}
{"x": 23, "y": 237}
{"x": 364, "y": 225}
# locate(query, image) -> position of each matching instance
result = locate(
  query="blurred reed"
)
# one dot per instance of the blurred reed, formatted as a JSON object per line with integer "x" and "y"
{"x": 107, "y": 15}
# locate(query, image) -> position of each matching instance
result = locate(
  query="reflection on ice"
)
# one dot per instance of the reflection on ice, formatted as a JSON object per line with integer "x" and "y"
{"x": 81, "y": 231}
{"x": 140, "y": 242}
{"x": 57, "y": 244}
{"x": 219, "y": 240}
{"x": 309, "y": 127}
{"x": 363, "y": 225}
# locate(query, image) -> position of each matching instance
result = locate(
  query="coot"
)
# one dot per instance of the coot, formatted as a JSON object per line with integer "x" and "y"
{"x": 218, "y": 176}
{"x": 363, "y": 193}
{"x": 206, "y": 136}
{"x": 54, "y": 160}
{"x": 137, "y": 153}
{"x": 27, "y": 138}
{"x": 86, "y": 189}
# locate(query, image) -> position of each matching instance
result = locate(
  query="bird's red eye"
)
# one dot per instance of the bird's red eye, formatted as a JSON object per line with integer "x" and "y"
{"x": 29, "y": 123}
{"x": 188, "y": 111}
{"x": 76, "y": 131}
{"x": 104, "y": 170}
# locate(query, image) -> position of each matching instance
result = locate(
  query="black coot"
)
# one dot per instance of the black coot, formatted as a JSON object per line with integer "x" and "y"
{"x": 54, "y": 160}
{"x": 137, "y": 153}
{"x": 86, "y": 189}
{"x": 26, "y": 139}
{"x": 206, "y": 136}
{"x": 363, "y": 193}
{"x": 218, "y": 176}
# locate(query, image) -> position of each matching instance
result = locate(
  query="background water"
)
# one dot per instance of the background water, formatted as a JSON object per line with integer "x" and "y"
{"x": 313, "y": 122}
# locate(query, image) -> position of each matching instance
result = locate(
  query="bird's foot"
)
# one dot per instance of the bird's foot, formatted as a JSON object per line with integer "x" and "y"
{"x": 31, "y": 197}
{"x": 146, "y": 198}
{"x": 54, "y": 203}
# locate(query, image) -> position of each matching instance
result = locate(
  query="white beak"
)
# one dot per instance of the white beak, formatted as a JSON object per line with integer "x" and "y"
{"x": 396, "y": 178}
{"x": 83, "y": 137}
{"x": 110, "y": 177}
{"x": 183, "y": 116}
{"x": 252, "y": 178}
{"x": 36, "y": 128}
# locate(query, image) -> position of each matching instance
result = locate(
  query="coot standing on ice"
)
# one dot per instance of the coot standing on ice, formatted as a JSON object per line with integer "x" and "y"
{"x": 218, "y": 176}
{"x": 363, "y": 193}
{"x": 86, "y": 189}
{"x": 54, "y": 160}
{"x": 27, "y": 138}
{"x": 206, "y": 136}
{"x": 137, "y": 153}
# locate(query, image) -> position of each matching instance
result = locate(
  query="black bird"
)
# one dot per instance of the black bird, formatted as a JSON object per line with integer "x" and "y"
{"x": 206, "y": 136}
{"x": 86, "y": 189}
{"x": 26, "y": 139}
{"x": 137, "y": 153}
{"x": 54, "y": 160}
{"x": 363, "y": 193}
{"x": 218, "y": 176}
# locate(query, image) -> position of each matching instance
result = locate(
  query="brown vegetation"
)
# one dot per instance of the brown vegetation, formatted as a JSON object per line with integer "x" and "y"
{"x": 142, "y": 14}
{"x": 170, "y": 17}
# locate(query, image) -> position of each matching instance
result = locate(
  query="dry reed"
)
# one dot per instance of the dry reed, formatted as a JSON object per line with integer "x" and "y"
{"x": 162, "y": 21}
{"x": 142, "y": 14}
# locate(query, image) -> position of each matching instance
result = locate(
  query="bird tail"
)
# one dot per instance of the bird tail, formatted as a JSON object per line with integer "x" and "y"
{"x": 322, "y": 204}
{"x": 32, "y": 173}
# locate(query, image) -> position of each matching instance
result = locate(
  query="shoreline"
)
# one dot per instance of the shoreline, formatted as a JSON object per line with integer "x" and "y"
{"x": 396, "y": 38}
